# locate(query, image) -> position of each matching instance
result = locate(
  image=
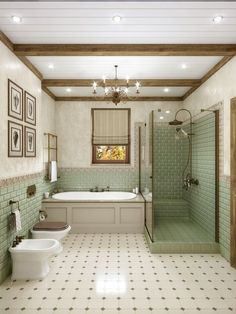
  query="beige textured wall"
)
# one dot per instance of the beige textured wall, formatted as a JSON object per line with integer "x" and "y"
{"x": 73, "y": 128}
{"x": 221, "y": 87}
{"x": 11, "y": 67}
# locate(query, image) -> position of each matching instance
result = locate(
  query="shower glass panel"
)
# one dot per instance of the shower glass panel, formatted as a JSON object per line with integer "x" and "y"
{"x": 146, "y": 173}
{"x": 184, "y": 184}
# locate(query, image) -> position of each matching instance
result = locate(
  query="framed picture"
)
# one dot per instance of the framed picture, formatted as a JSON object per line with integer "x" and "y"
{"x": 15, "y": 101}
{"x": 30, "y": 142}
{"x": 15, "y": 139}
{"x": 30, "y": 108}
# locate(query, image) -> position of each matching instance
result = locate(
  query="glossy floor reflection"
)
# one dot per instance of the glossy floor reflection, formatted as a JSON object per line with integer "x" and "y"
{"x": 115, "y": 273}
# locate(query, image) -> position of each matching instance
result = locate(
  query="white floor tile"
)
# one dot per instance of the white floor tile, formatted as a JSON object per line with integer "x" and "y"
{"x": 116, "y": 274}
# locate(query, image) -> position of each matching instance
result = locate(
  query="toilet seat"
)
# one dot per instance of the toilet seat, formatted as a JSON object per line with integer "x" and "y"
{"x": 51, "y": 230}
{"x": 50, "y": 226}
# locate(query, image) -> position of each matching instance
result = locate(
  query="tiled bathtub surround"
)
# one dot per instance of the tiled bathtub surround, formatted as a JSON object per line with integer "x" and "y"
{"x": 15, "y": 189}
{"x": 117, "y": 178}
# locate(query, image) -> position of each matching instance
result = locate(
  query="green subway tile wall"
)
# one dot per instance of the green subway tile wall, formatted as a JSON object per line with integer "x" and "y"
{"x": 169, "y": 160}
{"x": 29, "y": 209}
{"x": 171, "y": 208}
{"x": 201, "y": 198}
{"x": 225, "y": 218}
{"x": 122, "y": 179}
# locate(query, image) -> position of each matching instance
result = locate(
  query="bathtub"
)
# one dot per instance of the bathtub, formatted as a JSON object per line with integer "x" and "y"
{"x": 94, "y": 196}
{"x": 97, "y": 212}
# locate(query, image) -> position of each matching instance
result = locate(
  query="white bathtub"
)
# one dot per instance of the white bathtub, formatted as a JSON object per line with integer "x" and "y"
{"x": 94, "y": 196}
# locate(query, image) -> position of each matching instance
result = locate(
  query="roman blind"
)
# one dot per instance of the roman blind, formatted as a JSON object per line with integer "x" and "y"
{"x": 110, "y": 126}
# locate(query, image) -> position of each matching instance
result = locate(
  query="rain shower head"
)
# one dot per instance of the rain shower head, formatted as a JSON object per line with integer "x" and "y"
{"x": 175, "y": 122}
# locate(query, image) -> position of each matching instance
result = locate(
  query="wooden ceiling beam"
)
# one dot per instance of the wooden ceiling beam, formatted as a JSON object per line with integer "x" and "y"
{"x": 144, "y": 82}
{"x": 125, "y": 50}
{"x": 31, "y": 67}
{"x": 75, "y": 98}
{"x": 211, "y": 72}
{"x": 48, "y": 92}
{"x": 6, "y": 41}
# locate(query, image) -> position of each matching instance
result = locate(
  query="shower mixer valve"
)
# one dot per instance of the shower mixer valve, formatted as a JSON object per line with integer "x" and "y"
{"x": 188, "y": 181}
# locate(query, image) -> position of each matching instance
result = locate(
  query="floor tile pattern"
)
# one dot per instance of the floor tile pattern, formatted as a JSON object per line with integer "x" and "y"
{"x": 115, "y": 273}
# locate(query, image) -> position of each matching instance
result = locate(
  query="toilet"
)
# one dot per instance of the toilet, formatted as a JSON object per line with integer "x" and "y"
{"x": 30, "y": 258}
{"x": 51, "y": 230}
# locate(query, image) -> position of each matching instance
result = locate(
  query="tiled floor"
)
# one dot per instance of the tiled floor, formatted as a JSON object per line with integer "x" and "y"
{"x": 115, "y": 273}
{"x": 179, "y": 230}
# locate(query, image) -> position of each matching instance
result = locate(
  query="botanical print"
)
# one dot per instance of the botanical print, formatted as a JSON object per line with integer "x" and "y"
{"x": 15, "y": 100}
{"x": 15, "y": 148}
{"x": 30, "y": 109}
{"x": 30, "y": 142}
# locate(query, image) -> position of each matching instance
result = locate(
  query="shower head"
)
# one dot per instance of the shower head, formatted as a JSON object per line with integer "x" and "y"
{"x": 175, "y": 122}
{"x": 180, "y": 133}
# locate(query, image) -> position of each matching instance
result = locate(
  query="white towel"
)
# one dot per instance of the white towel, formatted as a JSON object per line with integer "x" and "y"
{"x": 17, "y": 220}
{"x": 53, "y": 171}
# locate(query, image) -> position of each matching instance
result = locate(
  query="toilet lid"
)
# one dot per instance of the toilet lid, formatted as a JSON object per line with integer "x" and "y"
{"x": 50, "y": 226}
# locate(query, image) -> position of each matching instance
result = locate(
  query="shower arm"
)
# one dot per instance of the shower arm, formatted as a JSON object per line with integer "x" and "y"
{"x": 190, "y": 135}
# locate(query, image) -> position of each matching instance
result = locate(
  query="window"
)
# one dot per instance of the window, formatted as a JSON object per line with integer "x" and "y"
{"x": 110, "y": 136}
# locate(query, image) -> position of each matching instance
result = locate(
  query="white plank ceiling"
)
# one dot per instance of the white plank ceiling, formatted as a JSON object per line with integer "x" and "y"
{"x": 141, "y": 23}
{"x": 133, "y": 67}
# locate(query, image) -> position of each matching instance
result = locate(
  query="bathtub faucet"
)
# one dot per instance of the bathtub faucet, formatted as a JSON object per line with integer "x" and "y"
{"x": 96, "y": 189}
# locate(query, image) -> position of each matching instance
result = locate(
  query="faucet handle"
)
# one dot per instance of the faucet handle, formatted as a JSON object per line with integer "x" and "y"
{"x": 21, "y": 238}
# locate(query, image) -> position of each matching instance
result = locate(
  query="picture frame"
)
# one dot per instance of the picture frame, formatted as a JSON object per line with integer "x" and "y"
{"x": 15, "y": 100}
{"x": 15, "y": 139}
{"x": 30, "y": 142}
{"x": 30, "y": 108}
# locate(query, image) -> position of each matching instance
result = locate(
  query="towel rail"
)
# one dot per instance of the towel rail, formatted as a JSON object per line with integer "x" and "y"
{"x": 11, "y": 202}
{"x": 51, "y": 147}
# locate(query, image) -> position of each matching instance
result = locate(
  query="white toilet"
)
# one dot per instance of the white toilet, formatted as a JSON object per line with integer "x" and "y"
{"x": 30, "y": 258}
{"x": 51, "y": 230}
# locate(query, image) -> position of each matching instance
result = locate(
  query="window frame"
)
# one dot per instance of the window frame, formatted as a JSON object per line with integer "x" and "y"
{"x": 94, "y": 146}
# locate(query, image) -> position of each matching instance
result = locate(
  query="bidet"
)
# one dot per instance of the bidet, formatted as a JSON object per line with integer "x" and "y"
{"x": 30, "y": 258}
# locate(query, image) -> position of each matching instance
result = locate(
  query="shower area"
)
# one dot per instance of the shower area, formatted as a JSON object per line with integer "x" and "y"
{"x": 179, "y": 181}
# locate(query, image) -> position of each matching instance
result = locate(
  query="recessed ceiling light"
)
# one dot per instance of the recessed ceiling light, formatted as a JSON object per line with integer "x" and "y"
{"x": 68, "y": 90}
{"x": 116, "y": 19}
{"x": 161, "y": 117}
{"x": 218, "y": 19}
{"x": 167, "y": 111}
{"x": 166, "y": 90}
{"x": 16, "y": 19}
{"x": 51, "y": 66}
{"x": 184, "y": 66}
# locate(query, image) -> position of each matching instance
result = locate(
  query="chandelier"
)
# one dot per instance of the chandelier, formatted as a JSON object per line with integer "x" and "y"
{"x": 116, "y": 92}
